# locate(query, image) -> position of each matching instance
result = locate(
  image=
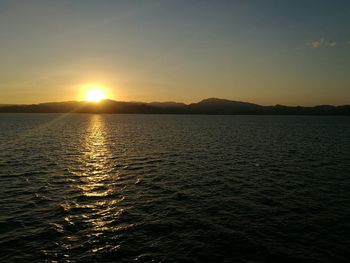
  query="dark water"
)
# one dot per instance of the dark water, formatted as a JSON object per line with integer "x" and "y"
{"x": 148, "y": 188}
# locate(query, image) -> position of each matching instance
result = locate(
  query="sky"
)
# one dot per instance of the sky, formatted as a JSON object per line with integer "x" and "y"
{"x": 267, "y": 52}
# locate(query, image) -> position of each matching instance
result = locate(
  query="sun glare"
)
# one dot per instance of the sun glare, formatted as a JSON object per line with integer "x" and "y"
{"x": 95, "y": 95}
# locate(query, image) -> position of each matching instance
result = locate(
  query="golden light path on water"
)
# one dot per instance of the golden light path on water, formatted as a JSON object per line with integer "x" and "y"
{"x": 94, "y": 161}
{"x": 96, "y": 206}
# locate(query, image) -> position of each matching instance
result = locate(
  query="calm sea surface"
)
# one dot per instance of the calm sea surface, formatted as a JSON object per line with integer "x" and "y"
{"x": 167, "y": 188}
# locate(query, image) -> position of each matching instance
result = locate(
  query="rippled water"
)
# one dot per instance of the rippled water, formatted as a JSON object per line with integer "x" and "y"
{"x": 166, "y": 188}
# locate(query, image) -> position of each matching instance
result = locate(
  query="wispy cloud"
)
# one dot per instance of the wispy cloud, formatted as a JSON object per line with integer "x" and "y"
{"x": 322, "y": 42}
{"x": 332, "y": 44}
{"x": 317, "y": 43}
{"x": 348, "y": 42}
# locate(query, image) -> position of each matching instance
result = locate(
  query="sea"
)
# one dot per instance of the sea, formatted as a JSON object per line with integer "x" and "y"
{"x": 174, "y": 188}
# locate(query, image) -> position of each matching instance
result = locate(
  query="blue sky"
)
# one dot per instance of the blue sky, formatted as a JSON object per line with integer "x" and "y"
{"x": 268, "y": 52}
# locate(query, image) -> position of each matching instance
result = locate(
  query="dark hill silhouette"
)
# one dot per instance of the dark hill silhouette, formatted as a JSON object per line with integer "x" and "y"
{"x": 221, "y": 106}
{"x": 207, "y": 106}
{"x": 167, "y": 104}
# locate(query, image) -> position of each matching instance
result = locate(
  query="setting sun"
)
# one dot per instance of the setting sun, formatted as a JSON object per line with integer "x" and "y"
{"x": 95, "y": 95}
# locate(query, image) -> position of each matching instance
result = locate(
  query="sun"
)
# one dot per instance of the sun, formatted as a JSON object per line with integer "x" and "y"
{"x": 95, "y": 95}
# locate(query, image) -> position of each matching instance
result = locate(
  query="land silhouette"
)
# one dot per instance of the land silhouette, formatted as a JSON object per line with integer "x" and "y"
{"x": 211, "y": 106}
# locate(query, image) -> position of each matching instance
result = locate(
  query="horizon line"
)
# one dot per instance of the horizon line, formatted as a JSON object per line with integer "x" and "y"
{"x": 175, "y": 102}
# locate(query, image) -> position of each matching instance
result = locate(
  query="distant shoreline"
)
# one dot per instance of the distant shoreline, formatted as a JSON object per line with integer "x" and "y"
{"x": 179, "y": 114}
{"x": 212, "y": 106}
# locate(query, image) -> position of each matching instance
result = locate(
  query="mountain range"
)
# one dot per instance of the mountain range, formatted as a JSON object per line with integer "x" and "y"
{"x": 208, "y": 106}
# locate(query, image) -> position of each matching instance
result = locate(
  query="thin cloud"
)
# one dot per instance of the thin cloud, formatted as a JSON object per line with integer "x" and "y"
{"x": 332, "y": 44}
{"x": 317, "y": 43}
{"x": 322, "y": 42}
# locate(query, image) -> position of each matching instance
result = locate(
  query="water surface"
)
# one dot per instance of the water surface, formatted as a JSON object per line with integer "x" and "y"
{"x": 168, "y": 188}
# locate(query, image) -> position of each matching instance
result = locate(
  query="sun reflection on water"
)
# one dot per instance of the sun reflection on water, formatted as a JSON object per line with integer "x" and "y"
{"x": 96, "y": 207}
{"x": 95, "y": 161}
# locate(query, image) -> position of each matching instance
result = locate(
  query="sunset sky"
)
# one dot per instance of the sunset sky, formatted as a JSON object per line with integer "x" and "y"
{"x": 267, "y": 52}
